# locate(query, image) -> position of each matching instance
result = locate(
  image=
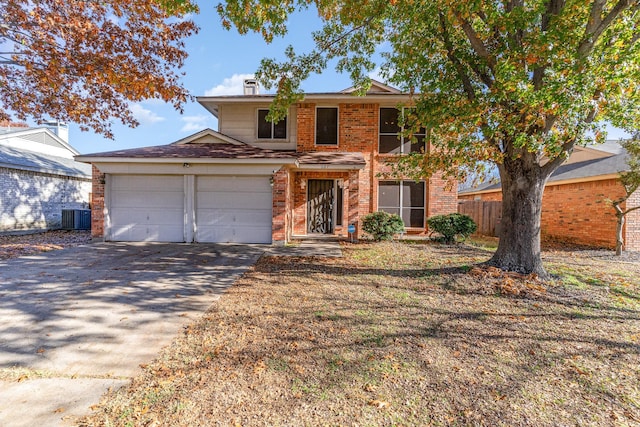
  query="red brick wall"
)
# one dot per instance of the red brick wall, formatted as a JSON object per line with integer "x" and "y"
{"x": 578, "y": 212}
{"x": 306, "y": 121}
{"x": 97, "y": 203}
{"x": 442, "y": 196}
{"x": 281, "y": 197}
{"x": 495, "y": 196}
{"x": 632, "y": 224}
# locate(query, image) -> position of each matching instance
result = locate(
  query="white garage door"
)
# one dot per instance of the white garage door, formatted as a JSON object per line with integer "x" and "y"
{"x": 147, "y": 208}
{"x": 233, "y": 209}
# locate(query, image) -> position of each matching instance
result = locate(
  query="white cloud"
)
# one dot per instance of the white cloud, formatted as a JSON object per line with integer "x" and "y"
{"x": 143, "y": 115}
{"x": 194, "y": 123}
{"x": 230, "y": 86}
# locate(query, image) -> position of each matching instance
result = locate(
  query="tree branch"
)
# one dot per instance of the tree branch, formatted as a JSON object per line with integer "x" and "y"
{"x": 597, "y": 25}
{"x": 554, "y": 7}
{"x": 477, "y": 44}
{"x": 466, "y": 81}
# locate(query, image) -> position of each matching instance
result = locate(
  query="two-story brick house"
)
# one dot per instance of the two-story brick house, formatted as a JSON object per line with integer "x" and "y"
{"x": 314, "y": 173}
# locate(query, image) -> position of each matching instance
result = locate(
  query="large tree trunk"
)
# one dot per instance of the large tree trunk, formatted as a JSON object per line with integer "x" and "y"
{"x": 523, "y": 184}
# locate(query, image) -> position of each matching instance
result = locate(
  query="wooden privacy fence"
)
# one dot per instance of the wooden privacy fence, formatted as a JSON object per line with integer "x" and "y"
{"x": 487, "y": 215}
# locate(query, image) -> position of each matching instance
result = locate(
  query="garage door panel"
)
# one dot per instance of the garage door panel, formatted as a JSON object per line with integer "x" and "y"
{"x": 232, "y": 235}
{"x": 230, "y": 216}
{"x": 249, "y": 200}
{"x": 147, "y": 208}
{"x": 234, "y": 184}
{"x": 149, "y": 182}
{"x": 148, "y": 199}
{"x": 148, "y": 216}
{"x": 233, "y": 209}
{"x": 148, "y": 233}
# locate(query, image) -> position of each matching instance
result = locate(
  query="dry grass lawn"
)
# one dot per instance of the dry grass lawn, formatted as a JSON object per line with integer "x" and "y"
{"x": 402, "y": 334}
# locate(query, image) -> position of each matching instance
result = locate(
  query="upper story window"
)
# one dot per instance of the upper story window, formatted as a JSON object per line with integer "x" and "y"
{"x": 269, "y": 130}
{"x": 392, "y": 139}
{"x": 326, "y": 126}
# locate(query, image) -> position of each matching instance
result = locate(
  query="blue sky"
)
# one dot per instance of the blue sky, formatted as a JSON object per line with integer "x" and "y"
{"x": 218, "y": 62}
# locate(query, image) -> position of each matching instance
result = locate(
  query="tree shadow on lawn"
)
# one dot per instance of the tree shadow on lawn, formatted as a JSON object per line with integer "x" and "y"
{"x": 453, "y": 351}
{"x": 455, "y": 279}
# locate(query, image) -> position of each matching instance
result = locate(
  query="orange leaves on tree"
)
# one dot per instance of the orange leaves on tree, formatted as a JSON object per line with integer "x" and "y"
{"x": 85, "y": 61}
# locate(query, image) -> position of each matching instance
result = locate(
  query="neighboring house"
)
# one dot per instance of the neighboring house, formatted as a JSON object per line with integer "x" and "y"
{"x": 39, "y": 178}
{"x": 574, "y": 204}
{"x": 314, "y": 173}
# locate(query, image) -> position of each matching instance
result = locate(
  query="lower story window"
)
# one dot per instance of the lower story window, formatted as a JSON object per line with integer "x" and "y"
{"x": 405, "y": 198}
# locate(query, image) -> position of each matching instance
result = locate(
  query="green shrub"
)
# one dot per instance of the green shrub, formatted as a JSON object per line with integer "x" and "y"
{"x": 382, "y": 225}
{"x": 452, "y": 226}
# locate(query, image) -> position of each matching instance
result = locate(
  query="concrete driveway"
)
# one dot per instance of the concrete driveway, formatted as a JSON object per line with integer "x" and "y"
{"x": 79, "y": 321}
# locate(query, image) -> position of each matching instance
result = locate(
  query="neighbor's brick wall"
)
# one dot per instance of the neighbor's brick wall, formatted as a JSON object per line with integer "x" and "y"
{"x": 495, "y": 196}
{"x": 97, "y": 208}
{"x": 34, "y": 200}
{"x": 632, "y": 224}
{"x": 578, "y": 212}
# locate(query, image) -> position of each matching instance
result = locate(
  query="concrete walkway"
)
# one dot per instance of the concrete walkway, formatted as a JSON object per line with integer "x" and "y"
{"x": 78, "y": 321}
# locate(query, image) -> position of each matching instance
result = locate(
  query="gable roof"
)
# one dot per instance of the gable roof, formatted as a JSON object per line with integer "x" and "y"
{"x": 38, "y": 136}
{"x": 376, "y": 87}
{"x": 16, "y": 158}
{"x": 208, "y": 135}
{"x": 39, "y": 150}
{"x": 590, "y": 170}
{"x": 379, "y": 92}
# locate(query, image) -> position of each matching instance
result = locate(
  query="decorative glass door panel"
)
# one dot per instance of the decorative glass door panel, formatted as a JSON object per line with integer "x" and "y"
{"x": 320, "y": 204}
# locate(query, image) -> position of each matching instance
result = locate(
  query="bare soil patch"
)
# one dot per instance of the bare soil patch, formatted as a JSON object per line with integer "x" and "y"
{"x": 401, "y": 334}
{"x": 29, "y": 244}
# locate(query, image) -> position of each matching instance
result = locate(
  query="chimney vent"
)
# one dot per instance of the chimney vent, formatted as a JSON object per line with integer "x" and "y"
{"x": 251, "y": 87}
{"x": 59, "y": 128}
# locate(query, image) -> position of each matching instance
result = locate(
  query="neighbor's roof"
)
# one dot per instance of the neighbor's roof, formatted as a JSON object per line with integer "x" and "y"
{"x": 15, "y": 158}
{"x": 571, "y": 172}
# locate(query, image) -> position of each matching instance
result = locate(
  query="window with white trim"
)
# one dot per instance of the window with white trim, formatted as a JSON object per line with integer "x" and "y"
{"x": 405, "y": 198}
{"x": 270, "y": 130}
{"x": 392, "y": 138}
{"x": 326, "y": 126}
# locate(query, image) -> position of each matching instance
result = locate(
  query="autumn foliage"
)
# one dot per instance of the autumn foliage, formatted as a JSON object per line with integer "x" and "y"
{"x": 86, "y": 61}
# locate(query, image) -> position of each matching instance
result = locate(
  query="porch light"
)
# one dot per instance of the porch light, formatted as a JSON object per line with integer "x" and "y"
{"x": 186, "y": 165}
{"x": 271, "y": 180}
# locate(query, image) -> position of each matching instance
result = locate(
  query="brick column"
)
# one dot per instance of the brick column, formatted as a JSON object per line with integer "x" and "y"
{"x": 97, "y": 203}
{"x": 354, "y": 201}
{"x": 279, "y": 232}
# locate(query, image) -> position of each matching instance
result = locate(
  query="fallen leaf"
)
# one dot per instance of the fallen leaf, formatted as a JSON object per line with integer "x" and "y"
{"x": 380, "y": 404}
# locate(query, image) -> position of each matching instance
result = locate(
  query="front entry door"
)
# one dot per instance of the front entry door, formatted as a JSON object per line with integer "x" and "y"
{"x": 320, "y": 206}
